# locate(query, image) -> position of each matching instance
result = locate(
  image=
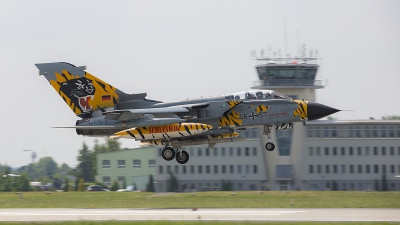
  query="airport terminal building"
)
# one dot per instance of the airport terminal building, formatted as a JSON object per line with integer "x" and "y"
{"x": 311, "y": 156}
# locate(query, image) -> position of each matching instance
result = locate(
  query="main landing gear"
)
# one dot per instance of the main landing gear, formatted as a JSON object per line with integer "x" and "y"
{"x": 267, "y": 131}
{"x": 181, "y": 156}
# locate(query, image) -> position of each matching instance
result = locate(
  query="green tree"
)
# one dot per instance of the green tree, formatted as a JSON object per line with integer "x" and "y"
{"x": 391, "y": 117}
{"x": 114, "y": 186}
{"x": 46, "y": 166}
{"x": 226, "y": 185}
{"x": 377, "y": 185}
{"x": 24, "y": 183}
{"x": 112, "y": 145}
{"x": 150, "y": 185}
{"x": 384, "y": 183}
{"x": 172, "y": 183}
{"x": 66, "y": 184}
{"x": 85, "y": 167}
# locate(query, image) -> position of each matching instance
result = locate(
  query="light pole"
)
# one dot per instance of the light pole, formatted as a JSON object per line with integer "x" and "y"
{"x": 33, "y": 155}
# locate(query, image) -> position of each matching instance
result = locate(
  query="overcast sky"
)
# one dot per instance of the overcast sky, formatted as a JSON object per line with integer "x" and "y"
{"x": 175, "y": 50}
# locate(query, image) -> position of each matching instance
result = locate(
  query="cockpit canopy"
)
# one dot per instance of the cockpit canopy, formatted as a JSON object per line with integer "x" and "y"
{"x": 256, "y": 94}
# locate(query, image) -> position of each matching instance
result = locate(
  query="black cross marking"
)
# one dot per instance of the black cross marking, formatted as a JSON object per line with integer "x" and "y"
{"x": 252, "y": 115}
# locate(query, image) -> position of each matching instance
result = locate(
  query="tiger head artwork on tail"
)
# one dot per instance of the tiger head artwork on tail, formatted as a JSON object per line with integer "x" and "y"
{"x": 83, "y": 92}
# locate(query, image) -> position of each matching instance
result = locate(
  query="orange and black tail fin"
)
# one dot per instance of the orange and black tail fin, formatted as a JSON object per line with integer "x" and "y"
{"x": 83, "y": 92}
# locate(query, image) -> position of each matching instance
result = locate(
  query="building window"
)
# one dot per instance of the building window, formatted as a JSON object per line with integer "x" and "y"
{"x": 335, "y": 170}
{"x": 367, "y": 169}
{"x": 121, "y": 179}
{"x": 184, "y": 169}
{"x": 310, "y": 132}
{"x": 383, "y": 168}
{"x": 159, "y": 152}
{"x": 391, "y": 131}
{"x": 231, "y": 169}
{"x": 168, "y": 169}
{"x": 310, "y": 168}
{"x": 359, "y": 151}
{"x": 375, "y": 150}
{"x": 199, "y": 169}
{"x": 392, "y": 169}
{"x": 106, "y": 180}
{"x": 376, "y": 169}
{"x": 231, "y": 151}
{"x": 334, "y": 151}
{"x": 366, "y": 131}
{"x": 318, "y": 151}
{"x": 318, "y": 168}
{"x": 247, "y": 169}
{"x": 255, "y": 169}
{"x": 121, "y": 164}
{"x": 367, "y": 150}
{"x": 239, "y": 151}
{"x": 326, "y": 151}
{"x": 207, "y": 169}
{"x": 358, "y": 131}
{"x": 160, "y": 169}
{"x": 199, "y": 152}
{"x": 255, "y": 151}
{"x": 207, "y": 151}
{"x": 284, "y": 141}
{"x": 334, "y": 132}
{"x": 343, "y": 168}
{"x": 343, "y": 151}
{"x": 391, "y": 150}
{"x": 351, "y": 151}
{"x": 374, "y": 131}
{"x": 215, "y": 151}
{"x": 247, "y": 151}
{"x": 255, "y": 133}
{"x": 106, "y": 164}
{"x": 223, "y": 151}
{"x": 359, "y": 168}
{"x": 223, "y": 169}
{"x": 136, "y": 163}
{"x": 239, "y": 168}
{"x": 383, "y": 131}
{"x": 326, "y": 131}
{"x": 310, "y": 150}
{"x": 383, "y": 150}
{"x": 327, "y": 169}
{"x": 152, "y": 163}
{"x": 215, "y": 169}
{"x": 317, "y": 132}
{"x": 351, "y": 169}
{"x": 176, "y": 169}
{"x": 192, "y": 153}
{"x": 191, "y": 169}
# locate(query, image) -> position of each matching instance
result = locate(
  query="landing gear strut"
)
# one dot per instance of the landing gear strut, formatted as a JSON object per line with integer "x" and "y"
{"x": 181, "y": 156}
{"x": 267, "y": 131}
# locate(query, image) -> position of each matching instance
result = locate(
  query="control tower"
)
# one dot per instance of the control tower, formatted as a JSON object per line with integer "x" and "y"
{"x": 296, "y": 78}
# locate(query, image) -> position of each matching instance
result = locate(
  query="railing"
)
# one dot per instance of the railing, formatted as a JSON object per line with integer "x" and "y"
{"x": 288, "y": 82}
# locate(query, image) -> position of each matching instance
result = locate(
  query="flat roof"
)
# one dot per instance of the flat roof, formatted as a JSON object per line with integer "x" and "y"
{"x": 352, "y": 122}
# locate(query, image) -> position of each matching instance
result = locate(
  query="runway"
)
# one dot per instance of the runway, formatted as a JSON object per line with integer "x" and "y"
{"x": 53, "y": 214}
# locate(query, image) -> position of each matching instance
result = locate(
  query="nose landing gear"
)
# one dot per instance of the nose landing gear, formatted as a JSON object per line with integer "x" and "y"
{"x": 267, "y": 131}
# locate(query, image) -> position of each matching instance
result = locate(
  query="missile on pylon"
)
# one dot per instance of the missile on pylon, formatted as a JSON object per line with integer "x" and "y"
{"x": 161, "y": 132}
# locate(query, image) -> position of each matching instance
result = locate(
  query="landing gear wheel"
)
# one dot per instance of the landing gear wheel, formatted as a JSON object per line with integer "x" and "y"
{"x": 182, "y": 157}
{"x": 168, "y": 153}
{"x": 270, "y": 146}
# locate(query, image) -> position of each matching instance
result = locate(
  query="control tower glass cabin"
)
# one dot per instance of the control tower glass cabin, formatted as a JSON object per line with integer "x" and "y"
{"x": 290, "y": 76}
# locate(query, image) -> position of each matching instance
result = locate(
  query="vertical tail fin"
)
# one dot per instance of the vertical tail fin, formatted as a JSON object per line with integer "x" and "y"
{"x": 83, "y": 92}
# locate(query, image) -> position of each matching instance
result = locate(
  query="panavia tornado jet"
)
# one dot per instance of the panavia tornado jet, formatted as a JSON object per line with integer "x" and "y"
{"x": 106, "y": 111}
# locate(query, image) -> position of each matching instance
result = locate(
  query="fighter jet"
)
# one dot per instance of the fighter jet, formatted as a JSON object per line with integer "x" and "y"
{"x": 106, "y": 111}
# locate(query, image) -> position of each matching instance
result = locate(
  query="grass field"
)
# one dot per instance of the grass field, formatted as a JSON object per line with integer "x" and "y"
{"x": 220, "y": 199}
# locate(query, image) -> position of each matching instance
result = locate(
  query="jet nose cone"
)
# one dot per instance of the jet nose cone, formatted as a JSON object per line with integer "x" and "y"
{"x": 317, "y": 111}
